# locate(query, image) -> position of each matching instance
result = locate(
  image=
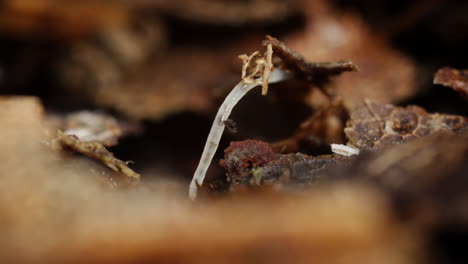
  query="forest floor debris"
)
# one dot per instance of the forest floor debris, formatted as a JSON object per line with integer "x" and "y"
{"x": 374, "y": 125}
{"x": 159, "y": 68}
{"x": 456, "y": 79}
{"x": 96, "y": 151}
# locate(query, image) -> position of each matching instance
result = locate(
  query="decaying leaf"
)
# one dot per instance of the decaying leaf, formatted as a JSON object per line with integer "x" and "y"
{"x": 456, "y": 79}
{"x": 385, "y": 74}
{"x": 313, "y": 72}
{"x": 96, "y": 151}
{"x": 374, "y": 125}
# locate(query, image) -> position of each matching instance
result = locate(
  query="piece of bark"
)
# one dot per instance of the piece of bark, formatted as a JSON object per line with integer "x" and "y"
{"x": 296, "y": 171}
{"x": 374, "y": 125}
{"x": 98, "y": 152}
{"x": 253, "y": 163}
{"x": 456, "y": 79}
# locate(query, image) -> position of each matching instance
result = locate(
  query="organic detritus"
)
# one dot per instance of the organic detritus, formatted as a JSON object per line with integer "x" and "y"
{"x": 96, "y": 151}
{"x": 261, "y": 73}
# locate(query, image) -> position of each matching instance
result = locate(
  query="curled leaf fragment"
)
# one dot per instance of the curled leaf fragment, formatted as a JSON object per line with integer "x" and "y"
{"x": 456, "y": 79}
{"x": 313, "y": 72}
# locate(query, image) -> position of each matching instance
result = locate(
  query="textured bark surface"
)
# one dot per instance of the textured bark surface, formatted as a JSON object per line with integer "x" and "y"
{"x": 374, "y": 125}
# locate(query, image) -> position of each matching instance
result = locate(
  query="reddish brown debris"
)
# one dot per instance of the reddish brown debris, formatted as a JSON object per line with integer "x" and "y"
{"x": 456, "y": 79}
{"x": 244, "y": 155}
{"x": 253, "y": 163}
{"x": 375, "y": 125}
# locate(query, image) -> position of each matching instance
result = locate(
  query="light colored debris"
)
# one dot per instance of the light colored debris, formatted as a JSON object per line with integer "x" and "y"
{"x": 344, "y": 150}
{"x": 93, "y": 126}
{"x": 263, "y": 68}
{"x": 96, "y": 151}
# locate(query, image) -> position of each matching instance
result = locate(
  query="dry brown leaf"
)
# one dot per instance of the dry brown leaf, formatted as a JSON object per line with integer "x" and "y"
{"x": 456, "y": 79}
{"x": 374, "y": 125}
{"x": 385, "y": 74}
{"x": 316, "y": 73}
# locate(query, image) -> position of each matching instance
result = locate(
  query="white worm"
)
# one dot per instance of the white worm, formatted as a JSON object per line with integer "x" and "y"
{"x": 217, "y": 128}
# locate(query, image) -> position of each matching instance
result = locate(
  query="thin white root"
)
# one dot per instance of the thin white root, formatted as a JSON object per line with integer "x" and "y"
{"x": 217, "y": 128}
{"x": 344, "y": 150}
